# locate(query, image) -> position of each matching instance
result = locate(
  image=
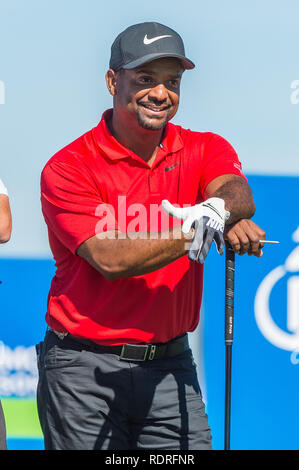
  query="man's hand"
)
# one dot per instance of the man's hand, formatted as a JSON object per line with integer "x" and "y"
{"x": 207, "y": 219}
{"x": 244, "y": 236}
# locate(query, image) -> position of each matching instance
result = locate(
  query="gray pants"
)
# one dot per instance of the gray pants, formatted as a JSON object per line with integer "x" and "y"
{"x": 91, "y": 400}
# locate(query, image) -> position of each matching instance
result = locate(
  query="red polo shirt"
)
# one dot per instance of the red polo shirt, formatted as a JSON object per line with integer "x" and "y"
{"x": 95, "y": 184}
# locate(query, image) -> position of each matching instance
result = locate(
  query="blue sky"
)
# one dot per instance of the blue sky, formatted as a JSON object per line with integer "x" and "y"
{"x": 54, "y": 54}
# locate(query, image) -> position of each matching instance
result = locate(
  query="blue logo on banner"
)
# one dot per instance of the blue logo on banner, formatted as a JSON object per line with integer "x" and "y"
{"x": 18, "y": 371}
{"x": 283, "y": 277}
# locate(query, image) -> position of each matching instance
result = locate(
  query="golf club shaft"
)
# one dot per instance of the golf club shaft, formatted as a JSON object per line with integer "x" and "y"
{"x": 228, "y": 371}
{"x": 229, "y": 326}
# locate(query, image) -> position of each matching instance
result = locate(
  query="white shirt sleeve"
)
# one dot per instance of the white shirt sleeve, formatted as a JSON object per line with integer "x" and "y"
{"x": 3, "y": 189}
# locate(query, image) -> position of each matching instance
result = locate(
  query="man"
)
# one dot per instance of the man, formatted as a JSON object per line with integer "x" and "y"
{"x": 116, "y": 371}
{"x": 5, "y": 232}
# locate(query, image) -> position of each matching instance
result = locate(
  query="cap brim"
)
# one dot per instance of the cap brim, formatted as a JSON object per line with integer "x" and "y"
{"x": 187, "y": 64}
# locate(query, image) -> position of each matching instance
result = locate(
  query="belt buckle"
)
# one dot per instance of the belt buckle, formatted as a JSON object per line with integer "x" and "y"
{"x": 146, "y": 347}
{"x": 152, "y": 352}
{"x": 59, "y": 334}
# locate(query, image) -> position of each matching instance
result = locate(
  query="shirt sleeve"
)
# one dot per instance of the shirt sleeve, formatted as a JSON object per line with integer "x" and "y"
{"x": 219, "y": 158}
{"x": 72, "y": 205}
{"x": 3, "y": 189}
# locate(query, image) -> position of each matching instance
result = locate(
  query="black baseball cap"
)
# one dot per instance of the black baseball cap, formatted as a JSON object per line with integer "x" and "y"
{"x": 144, "y": 42}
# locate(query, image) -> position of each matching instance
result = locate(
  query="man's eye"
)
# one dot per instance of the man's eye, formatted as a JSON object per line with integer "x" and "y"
{"x": 146, "y": 80}
{"x": 174, "y": 83}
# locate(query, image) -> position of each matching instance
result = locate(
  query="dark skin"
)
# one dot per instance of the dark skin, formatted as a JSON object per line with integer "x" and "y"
{"x": 144, "y": 100}
{"x": 243, "y": 234}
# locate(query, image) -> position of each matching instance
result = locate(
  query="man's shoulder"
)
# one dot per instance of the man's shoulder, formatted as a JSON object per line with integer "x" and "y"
{"x": 205, "y": 142}
{"x": 189, "y": 135}
{"x": 75, "y": 153}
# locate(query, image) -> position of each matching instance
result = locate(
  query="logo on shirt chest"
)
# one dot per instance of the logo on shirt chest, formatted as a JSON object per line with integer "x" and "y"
{"x": 171, "y": 167}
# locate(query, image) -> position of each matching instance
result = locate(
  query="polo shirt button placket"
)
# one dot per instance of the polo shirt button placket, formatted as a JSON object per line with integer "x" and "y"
{"x": 154, "y": 181}
{"x": 150, "y": 181}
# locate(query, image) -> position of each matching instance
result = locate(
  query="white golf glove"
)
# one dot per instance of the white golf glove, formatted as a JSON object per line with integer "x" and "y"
{"x": 207, "y": 219}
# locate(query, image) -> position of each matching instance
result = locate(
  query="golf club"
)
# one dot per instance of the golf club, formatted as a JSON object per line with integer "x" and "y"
{"x": 229, "y": 330}
{"x": 229, "y": 324}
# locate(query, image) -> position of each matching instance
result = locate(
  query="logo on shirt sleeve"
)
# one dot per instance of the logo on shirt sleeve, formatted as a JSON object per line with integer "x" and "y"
{"x": 239, "y": 167}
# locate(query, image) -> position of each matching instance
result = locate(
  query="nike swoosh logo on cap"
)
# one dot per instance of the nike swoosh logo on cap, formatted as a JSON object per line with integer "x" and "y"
{"x": 156, "y": 38}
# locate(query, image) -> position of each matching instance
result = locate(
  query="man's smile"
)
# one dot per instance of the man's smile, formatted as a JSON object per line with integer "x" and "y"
{"x": 152, "y": 109}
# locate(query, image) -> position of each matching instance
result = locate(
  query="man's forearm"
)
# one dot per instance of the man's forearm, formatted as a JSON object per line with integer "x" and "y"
{"x": 238, "y": 199}
{"x": 136, "y": 254}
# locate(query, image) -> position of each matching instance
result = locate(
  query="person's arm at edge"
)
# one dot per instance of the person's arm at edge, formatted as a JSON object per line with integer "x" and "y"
{"x": 5, "y": 219}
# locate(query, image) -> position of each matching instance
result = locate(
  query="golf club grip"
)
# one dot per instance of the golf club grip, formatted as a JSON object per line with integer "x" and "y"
{"x": 229, "y": 293}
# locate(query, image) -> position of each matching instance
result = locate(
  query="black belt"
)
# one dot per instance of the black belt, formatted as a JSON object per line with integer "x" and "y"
{"x": 136, "y": 352}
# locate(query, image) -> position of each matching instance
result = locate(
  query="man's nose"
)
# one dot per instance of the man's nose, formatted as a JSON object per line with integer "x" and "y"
{"x": 158, "y": 93}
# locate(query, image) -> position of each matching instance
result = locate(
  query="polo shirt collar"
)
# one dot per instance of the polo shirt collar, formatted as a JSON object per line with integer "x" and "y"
{"x": 171, "y": 142}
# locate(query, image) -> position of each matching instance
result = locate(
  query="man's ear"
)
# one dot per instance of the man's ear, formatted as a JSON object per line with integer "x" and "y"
{"x": 111, "y": 81}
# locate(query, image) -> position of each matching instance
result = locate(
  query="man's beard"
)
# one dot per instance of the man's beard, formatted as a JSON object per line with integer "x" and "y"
{"x": 152, "y": 124}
